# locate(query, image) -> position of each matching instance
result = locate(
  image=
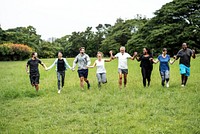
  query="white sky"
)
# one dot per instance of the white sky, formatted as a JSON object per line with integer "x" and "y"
{"x": 56, "y": 18}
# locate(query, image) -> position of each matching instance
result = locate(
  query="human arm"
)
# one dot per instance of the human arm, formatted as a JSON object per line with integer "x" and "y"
{"x": 88, "y": 61}
{"x": 45, "y": 67}
{"x": 193, "y": 54}
{"x": 111, "y": 55}
{"x": 92, "y": 65}
{"x": 54, "y": 63}
{"x": 75, "y": 62}
{"x": 27, "y": 66}
{"x": 66, "y": 64}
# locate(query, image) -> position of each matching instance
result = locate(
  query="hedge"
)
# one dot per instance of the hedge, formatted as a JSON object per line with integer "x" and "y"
{"x": 13, "y": 52}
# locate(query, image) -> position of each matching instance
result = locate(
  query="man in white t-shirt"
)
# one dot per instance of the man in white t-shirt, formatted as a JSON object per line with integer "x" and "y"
{"x": 122, "y": 64}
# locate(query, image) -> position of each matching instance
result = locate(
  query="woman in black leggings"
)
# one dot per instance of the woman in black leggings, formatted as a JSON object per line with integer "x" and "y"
{"x": 146, "y": 65}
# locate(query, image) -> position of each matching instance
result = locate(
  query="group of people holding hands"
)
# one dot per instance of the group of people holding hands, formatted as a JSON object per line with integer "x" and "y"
{"x": 83, "y": 61}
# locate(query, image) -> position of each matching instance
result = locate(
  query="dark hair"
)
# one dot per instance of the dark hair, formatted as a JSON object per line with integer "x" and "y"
{"x": 81, "y": 48}
{"x": 148, "y": 50}
{"x": 164, "y": 49}
{"x": 60, "y": 52}
{"x": 33, "y": 53}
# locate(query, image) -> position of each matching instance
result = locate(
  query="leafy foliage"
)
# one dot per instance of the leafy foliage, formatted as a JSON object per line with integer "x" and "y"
{"x": 14, "y": 52}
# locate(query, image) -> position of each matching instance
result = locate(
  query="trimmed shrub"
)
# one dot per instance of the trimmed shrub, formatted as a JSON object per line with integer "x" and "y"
{"x": 10, "y": 52}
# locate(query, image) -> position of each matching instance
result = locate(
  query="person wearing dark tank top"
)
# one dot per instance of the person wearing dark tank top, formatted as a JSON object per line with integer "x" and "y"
{"x": 61, "y": 65}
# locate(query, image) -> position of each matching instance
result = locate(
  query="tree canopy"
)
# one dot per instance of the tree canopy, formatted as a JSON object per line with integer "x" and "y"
{"x": 174, "y": 23}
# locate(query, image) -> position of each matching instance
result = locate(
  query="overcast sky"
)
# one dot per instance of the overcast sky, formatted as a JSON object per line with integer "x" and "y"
{"x": 56, "y": 18}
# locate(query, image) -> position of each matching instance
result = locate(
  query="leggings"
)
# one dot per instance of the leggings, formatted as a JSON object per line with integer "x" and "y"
{"x": 146, "y": 75}
{"x": 101, "y": 77}
{"x": 62, "y": 75}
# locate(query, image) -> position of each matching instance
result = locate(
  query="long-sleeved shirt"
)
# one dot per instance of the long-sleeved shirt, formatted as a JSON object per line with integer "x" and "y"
{"x": 83, "y": 61}
{"x": 66, "y": 65}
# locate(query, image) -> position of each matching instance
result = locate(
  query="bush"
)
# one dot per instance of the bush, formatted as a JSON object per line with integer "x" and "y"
{"x": 14, "y": 52}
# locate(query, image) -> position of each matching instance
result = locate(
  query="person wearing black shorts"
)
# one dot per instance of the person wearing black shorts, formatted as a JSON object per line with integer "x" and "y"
{"x": 83, "y": 61}
{"x": 33, "y": 72}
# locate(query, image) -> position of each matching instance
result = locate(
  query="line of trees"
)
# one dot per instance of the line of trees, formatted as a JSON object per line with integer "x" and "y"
{"x": 176, "y": 22}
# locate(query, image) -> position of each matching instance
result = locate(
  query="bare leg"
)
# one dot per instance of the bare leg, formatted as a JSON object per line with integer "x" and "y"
{"x": 87, "y": 81}
{"x": 37, "y": 87}
{"x": 120, "y": 80}
{"x": 125, "y": 79}
{"x": 82, "y": 82}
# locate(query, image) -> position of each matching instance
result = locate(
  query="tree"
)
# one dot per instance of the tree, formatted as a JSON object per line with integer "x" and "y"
{"x": 176, "y": 22}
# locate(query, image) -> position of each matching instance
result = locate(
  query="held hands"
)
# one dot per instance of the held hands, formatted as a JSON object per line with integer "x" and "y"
{"x": 72, "y": 69}
{"x": 27, "y": 72}
{"x": 135, "y": 54}
{"x": 111, "y": 52}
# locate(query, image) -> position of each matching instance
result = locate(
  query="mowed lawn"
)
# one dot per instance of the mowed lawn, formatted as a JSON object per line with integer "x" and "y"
{"x": 109, "y": 110}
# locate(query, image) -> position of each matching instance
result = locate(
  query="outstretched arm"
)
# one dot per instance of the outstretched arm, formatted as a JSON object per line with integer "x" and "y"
{"x": 92, "y": 65}
{"x": 45, "y": 67}
{"x": 52, "y": 65}
{"x": 111, "y": 55}
{"x": 74, "y": 63}
{"x": 27, "y": 68}
{"x": 155, "y": 61}
{"x": 66, "y": 64}
{"x": 193, "y": 54}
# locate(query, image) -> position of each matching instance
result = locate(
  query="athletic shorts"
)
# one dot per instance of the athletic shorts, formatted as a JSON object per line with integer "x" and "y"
{"x": 184, "y": 70}
{"x": 165, "y": 74}
{"x": 83, "y": 73}
{"x": 34, "y": 79}
{"x": 123, "y": 71}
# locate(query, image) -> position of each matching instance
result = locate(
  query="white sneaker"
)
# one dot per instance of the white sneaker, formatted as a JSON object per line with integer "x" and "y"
{"x": 167, "y": 84}
{"x": 182, "y": 85}
{"x": 59, "y": 91}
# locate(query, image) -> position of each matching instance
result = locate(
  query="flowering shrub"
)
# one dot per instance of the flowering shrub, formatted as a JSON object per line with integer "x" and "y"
{"x": 14, "y": 52}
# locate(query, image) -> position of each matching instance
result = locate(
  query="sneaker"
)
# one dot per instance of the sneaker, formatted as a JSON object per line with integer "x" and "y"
{"x": 167, "y": 84}
{"x": 59, "y": 91}
{"x": 88, "y": 85}
{"x": 182, "y": 85}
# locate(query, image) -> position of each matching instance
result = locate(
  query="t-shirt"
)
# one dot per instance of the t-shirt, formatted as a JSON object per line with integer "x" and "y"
{"x": 60, "y": 65}
{"x": 122, "y": 60}
{"x": 100, "y": 66}
{"x": 185, "y": 56}
{"x": 145, "y": 62}
{"x": 164, "y": 62}
{"x": 82, "y": 60}
{"x": 34, "y": 66}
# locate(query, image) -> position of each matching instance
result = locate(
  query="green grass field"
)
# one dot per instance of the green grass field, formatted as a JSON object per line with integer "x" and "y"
{"x": 109, "y": 110}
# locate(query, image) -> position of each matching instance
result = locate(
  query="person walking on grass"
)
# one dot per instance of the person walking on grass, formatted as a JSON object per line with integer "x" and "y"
{"x": 83, "y": 61}
{"x": 61, "y": 66}
{"x": 164, "y": 60}
{"x": 101, "y": 71}
{"x": 185, "y": 55}
{"x": 122, "y": 64}
{"x": 146, "y": 65}
{"x": 33, "y": 71}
